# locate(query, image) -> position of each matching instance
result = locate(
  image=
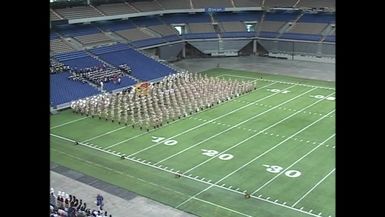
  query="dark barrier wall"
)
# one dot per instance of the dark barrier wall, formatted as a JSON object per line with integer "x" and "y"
{"x": 170, "y": 52}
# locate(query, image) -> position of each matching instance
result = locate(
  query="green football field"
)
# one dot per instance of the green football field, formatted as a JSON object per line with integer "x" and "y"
{"x": 276, "y": 143}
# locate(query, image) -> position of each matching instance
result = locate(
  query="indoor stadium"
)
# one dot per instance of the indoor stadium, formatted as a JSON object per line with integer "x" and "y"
{"x": 186, "y": 108}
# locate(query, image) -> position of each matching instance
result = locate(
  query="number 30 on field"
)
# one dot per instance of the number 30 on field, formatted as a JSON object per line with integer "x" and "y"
{"x": 277, "y": 169}
{"x": 212, "y": 153}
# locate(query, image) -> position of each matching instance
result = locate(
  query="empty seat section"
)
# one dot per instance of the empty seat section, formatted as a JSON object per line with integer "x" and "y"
{"x": 115, "y": 25}
{"x": 271, "y": 26}
{"x": 78, "y": 12}
{"x": 76, "y": 29}
{"x": 280, "y": 3}
{"x": 212, "y": 3}
{"x": 247, "y": 3}
{"x": 299, "y": 36}
{"x": 164, "y": 30}
{"x": 53, "y": 35}
{"x": 201, "y": 27}
{"x": 64, "y": 90}
{"x": 330, "y": 38}
{"x": 233, "y": 27}
{"x": 238, "y": 16}
{"x": 109, "y": 49}
{"x": 317, "y": 18}
{"x": 83, "y": 62}
{"x": 284, "y": 16}
{"x": 93, "y": 38}
{"x": 115, "y": 9}
{"x": 146, "y": 5}
{"x": 186, "y": 18}
{"x": 78, "y": 59}
{"x": 145, "y": 21}
{"x": 59, "y": 46}
{"x": 317, "y": 3}
{"x": 308, "y": 28}
{"x": 133, "y": 34}
{"x": 53, "y": 17}
{"x": 172, "y": 4}
{"x": 143, "y": 67}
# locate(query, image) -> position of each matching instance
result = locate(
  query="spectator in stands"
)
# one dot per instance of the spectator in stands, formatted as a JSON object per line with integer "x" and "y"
{"x": 119, "y": 80}
{"x": 99, "y": 201}
{"x": 101, "y": 85}
{"x": 53, "y": 199}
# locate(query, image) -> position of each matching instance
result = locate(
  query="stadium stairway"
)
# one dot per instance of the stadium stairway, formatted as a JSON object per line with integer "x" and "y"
{"x": 132, "y": 7}
{"x": 261, "y": 21}
{"x": 57, "y": 14}
{"x": 289, "y": 25}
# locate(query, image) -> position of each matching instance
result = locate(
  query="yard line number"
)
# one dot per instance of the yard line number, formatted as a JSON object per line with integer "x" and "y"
{"x": 331, "y": 98}
{"x": 278, "y": 91}
{"x": 164, "y": 140}
{"x": 277, "y": 169}
{"x": 212, "y": 153}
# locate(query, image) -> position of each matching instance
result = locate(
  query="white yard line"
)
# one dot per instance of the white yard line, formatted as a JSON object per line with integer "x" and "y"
{"x": 291, "y": 165}
{"x": 69, "y": 122}
{"x": 196, "y": 127}
{"x": 282, "y": 82}
{"x": 313, "y": 187}
{"x": 228, "y": 129}
{"x": 214, "y": 204}
{"x": 118, "y": 143}
{"x": 284, "y": 108}
{"x": 247, "y": 139}
{"x": 251, "y": 161}
{"x": 185, "y": 176}
{"x": 104, "y": 134}
{"x": 148, "y": 182}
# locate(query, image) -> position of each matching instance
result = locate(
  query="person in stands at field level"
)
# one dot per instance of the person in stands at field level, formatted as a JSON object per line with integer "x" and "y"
{"x": 99, "y": 201}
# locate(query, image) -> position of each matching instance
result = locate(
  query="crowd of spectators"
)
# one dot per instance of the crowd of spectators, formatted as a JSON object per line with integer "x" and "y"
{"x": 66, "y": 205}
{"x": 56, "y": 66}
{"x": 97, "y": 74}
{"x": 125, "y": 68}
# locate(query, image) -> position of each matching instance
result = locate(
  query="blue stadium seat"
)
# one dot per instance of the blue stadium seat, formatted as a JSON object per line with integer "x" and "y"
{"x": 299, "y": 36}
{"x": 76, "y": 29}
{"x": 64, "y": 90}
{"x": 238, "y": 34}
{"x": 143, "y": 67}
{"x": 330, "y": 38}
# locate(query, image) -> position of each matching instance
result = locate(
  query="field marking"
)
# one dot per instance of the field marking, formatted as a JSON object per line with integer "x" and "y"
{"x": 278, "y": 81}
{"x": 267, "y": 151}
{"x": 87, "y": 140}
{"x": 313, "y": 187}
{"x": 198, "y": 126}
{"x": 280, "y": 173}
{"x": 148, "y": 182}
{"x": 261, "y": 131}
{"x": 284, "y": 108}
{"x": 69, "y": 122}
{"x": 228, "y": 129}
{"x": 214, "y": 204}
{"x": 185, "y": 176}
